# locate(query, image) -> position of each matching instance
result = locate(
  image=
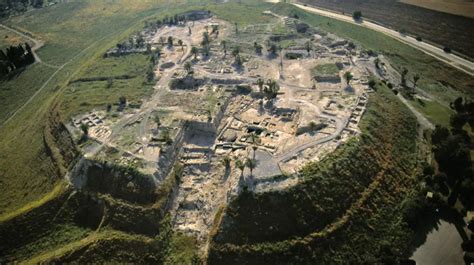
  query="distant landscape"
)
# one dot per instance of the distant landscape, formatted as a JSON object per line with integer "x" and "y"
{"x": 455, "y": 7}
{"x": 447, "y": 30}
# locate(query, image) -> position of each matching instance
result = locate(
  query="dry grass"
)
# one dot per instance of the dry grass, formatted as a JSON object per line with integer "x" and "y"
{"x": 455, "y": 7}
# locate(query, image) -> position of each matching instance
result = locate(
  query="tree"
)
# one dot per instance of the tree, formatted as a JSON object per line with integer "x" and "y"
{"x": 309, "y": 47}
{"x": 312, "y": 126}
{"x": 240, "y": 165}
{"x": 271, "y": 89}
{"x": 188, "y": 67}
{"x": 226, "y": 162}
{"x": 416, "y": 78}
{"x": 260, "y": 84}
{"x": 85, "y": 129}
{"x": 236, "y": 51}
{"x": 162, "y": 41}
{"x": 273, "y": 49}
{"x": 258, "y": 48}
{"x": 357, "y": 15}
{"x": 205, "y": 39}
{"x": 224, "y": 47}
{"x": 180, "y": 43}
{"x": 157, "y": 120}
{"x": 194, "y": 51}
{"x": 404, "y": 74}
{"x": 251, "y": 164}
{"x": 348, "y": 76}
{"x": 170, "y": 41}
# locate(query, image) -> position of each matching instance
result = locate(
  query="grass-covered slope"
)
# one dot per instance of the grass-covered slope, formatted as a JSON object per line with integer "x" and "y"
{"x": 344, "y": 206}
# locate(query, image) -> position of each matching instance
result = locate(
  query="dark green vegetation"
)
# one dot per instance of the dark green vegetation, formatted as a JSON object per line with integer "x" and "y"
{"x": 14, "y": 58}
{"x": 332, "y": 215}
{"x": 11, "y": 7}
{"x": 454, "y": 32}
{"x": 452, "y": 151}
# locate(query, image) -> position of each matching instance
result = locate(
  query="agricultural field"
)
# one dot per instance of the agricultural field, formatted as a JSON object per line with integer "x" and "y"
{"x": 239, "y": 132}
{"x": 455, "y": 7}
{"x": 455, "y": 31}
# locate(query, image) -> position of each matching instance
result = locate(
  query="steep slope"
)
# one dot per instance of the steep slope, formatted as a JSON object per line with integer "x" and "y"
{"x": 341, "y": 201}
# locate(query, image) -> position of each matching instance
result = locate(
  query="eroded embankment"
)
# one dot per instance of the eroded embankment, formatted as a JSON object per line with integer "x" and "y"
{"x": 330, "y": 210}
{"x": 112, "y": 199}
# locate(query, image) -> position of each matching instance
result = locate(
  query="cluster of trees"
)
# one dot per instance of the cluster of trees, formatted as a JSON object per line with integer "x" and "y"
{"x": 270, "y": 88}
{"x": 7, "y": 6}
{"x": 15, "y": 57}
{"x": 452, "y": 153}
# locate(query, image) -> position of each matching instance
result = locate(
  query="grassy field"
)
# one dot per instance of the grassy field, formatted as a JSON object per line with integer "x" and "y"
{"x": 436, "y": 113}
{"x": 83, "y": 96}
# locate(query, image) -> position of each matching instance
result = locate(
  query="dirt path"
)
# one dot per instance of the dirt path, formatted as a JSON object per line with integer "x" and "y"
{"x": 451, "y": 59}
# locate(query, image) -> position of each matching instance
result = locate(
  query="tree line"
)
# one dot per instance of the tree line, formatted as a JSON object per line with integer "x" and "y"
{"x": 9, "y": 6}
{"x": 15, "y": 57}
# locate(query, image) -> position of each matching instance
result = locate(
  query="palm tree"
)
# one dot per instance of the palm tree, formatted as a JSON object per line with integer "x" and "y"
{"x": 157, "y": 121}
{"x": 271, "y": 89}
{"x": 404, "y": 76}
{"x": 236, "y": 51}
{"x": 253, "y": 139}
{"x": 188, "y": 67}
{"x": 308, "y": 47}
{"x": 251, "y": 164}
{"x": 226, "y": 162}
{"x": 348, "y": 76}
{"x": 194, "y": 51}
{"x": 416, "y": 78}
{"x": 224, "y": 47}
{"x": 240, "y": 165}
{"x": 260, "y": 84}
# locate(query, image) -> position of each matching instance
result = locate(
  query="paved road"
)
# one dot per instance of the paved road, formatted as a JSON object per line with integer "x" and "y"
{"x": 451, "y": 59}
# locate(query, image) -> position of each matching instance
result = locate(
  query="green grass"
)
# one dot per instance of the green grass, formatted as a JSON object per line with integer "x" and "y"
{"x": 325, "y": 69}
{"x": 80, "y": 97}
{"x": 436, "y": 113}
{"x": 19, "y": 89}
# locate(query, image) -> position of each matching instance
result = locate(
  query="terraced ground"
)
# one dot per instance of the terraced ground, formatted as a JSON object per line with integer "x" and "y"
{"x": 353, "y": 192}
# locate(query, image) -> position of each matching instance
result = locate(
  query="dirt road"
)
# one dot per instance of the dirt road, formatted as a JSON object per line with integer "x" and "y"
{"x": 451, "y": 59}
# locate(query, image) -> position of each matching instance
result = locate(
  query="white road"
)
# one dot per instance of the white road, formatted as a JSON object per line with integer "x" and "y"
{"x": 451, "y": 59}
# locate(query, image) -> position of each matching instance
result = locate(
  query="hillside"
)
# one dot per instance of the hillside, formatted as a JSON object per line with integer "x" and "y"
{"x": 368, "y": 182}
